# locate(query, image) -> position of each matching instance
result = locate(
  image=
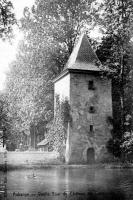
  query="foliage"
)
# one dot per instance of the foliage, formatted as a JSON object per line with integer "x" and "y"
{"x": 127, "y": 144}
{"x": 64, "y": 19}
{"x": 7, "y": 19}
{"x": 5, "y": 123}
{"x": 49, "y": 31}
{"x": 57, "y": 133}
{"x": 113, "y": 146}
{"x": 115, "y": 52}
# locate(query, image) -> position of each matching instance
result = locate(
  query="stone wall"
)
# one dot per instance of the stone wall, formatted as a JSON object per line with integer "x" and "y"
{"x": 29, "y": 158}
{"x": 81, "y": 98}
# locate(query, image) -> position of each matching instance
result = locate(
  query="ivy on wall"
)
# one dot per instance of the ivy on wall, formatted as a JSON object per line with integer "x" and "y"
{"x": 57, "y": 134}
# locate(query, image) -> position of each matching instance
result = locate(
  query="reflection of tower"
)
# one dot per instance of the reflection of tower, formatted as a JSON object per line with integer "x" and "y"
{"x": 90, "y": 99}
{"x": 67, "y": 184}
{"x": 5, "y": 186}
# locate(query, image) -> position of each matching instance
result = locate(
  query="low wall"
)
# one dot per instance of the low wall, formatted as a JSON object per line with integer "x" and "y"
{"x": 28, "y": 158}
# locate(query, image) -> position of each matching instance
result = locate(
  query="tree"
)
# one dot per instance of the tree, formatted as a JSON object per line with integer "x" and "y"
{"x": 7, "y": 19}
{"x": 115, "y": 17}
{"x": 49, "y": 31}
{"x": 5, "y": 122}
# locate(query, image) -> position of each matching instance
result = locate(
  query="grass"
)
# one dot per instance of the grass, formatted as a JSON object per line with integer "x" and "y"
{"x": 118, "y": 165}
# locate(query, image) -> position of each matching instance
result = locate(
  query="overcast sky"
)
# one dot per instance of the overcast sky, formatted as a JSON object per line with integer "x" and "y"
{"x": 7, "y": 51}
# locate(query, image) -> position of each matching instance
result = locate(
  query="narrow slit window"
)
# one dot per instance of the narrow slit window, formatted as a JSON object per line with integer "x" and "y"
{"x": 91, "y": 128}
{"x": 91, "y": 85}
{"x": 92, "y": 109}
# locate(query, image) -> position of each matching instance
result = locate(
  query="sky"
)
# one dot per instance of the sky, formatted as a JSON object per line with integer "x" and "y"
{"x": 8, "y": 51}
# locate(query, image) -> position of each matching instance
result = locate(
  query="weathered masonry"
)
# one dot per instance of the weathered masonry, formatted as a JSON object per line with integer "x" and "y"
{"x": 90, "y": 99}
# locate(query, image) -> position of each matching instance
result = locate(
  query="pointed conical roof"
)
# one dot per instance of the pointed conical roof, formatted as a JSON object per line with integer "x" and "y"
{"x": 83, "y": 57}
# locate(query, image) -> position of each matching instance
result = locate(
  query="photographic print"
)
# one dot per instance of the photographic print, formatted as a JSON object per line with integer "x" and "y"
{"x": 66, "y": 100}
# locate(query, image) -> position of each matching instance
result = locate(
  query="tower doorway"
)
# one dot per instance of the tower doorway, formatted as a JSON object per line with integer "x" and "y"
{"x": 90, "y": 155}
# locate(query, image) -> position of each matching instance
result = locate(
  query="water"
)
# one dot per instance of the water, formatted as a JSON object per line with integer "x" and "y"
{"x": 67, "y": 184}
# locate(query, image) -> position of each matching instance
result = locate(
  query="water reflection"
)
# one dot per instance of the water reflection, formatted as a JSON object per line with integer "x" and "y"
{"x": 70, "y": 184}
{"x": 3, "y": 185}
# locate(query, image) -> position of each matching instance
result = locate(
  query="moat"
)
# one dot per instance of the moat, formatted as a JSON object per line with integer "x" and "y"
{"x": 70, "y": 184}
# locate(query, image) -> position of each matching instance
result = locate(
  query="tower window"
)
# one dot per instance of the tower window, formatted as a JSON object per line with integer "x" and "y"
{"x": 92, "y": 109}
{"x": 91, "y": 85}
{"x": 91, "y": 128}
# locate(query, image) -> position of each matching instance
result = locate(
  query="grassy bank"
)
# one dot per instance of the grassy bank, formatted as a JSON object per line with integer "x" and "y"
{"x": 66, "y": 166}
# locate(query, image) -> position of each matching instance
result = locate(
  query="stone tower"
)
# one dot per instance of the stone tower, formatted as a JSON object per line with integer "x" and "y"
{"x": 90, "y": 99}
